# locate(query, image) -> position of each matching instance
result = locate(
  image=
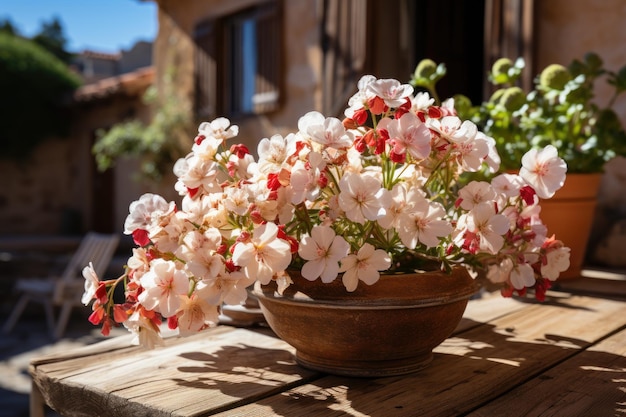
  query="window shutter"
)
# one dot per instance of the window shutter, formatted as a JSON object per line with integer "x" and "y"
{"x": 238, "y": 63}
{"x": 269, "y": 61}
{"x": 344, "y": 47}
{"x": 206, "y": 57}
{"x": 509, "y": 33}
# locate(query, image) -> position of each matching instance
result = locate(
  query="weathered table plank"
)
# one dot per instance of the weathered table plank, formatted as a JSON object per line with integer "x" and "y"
{"x": 208, "y": 371}
{"x": 500, "y": 345}
{"x": 593, "y": 383}
{"x": 474, "y": 367}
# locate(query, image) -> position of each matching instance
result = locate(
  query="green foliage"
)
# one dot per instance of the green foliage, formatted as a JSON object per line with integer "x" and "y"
{"x": 34, "y": 84}
{"x": 6, "y": 26}
{"x": 158, "y": 144}
{"x": 427, "y": 74}
{"x": 52, "y": 39}
{"x": 559, "y": 111}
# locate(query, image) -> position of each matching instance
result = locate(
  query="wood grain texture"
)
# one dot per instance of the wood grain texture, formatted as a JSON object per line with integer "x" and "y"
{"x": 470, "y": 369}
{"x": 187, "y": 377}
{"x": 565, "y": 356}
{"x": 593, "y": 383}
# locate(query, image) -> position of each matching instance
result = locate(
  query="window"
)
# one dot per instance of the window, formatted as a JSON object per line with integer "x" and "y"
{"x": 238, "y": 63}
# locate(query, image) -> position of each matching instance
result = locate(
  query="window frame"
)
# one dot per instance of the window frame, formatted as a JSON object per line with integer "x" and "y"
{"x": 220, "y": 85}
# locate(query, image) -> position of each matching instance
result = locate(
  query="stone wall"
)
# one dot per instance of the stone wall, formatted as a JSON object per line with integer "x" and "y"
{"x": 51, "y": 192}
{"x": 40, "y": 194}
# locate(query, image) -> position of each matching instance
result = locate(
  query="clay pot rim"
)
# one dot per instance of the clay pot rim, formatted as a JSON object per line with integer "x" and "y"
{"x": 378, "y": 304}
{"x": 445, "y": 296}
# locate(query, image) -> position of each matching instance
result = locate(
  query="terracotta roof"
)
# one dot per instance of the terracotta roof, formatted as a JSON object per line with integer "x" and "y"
{"x": 129, "y": 84}
{"x": 100, "y": 55}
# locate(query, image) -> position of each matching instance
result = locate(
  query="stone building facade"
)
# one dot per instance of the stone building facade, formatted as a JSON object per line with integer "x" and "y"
{"x": 308, "y": 55}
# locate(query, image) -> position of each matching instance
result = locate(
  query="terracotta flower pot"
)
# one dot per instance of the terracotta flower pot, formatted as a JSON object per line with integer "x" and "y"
{"x": 569, "y": 215}
{"x": 389, "y": 328}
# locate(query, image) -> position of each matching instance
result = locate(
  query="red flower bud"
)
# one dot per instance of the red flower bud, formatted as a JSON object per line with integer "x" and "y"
{"x": 96, "y": 317}
{"x": 360, "y": 116}
{"x": 349, "y": 123}
{"x": 240, "y": 150}
{"x": 398, "y": 158}
{"x": 377, "y": 105}
{"x": 101, "y": 293}
{"x": 528, "y": 194}
{"x": 435, "y": 112}
{"x": 119, "y": 313}
{"x": 192, "y": 191}
{"x": 140, "y": 237}
{"x": 273, "y": 182}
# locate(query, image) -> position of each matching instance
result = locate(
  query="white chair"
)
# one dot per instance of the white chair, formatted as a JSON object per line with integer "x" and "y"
{"x": 64, "y": 290}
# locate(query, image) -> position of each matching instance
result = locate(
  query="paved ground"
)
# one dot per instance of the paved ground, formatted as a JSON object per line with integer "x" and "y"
{"x": 30, "y": 339}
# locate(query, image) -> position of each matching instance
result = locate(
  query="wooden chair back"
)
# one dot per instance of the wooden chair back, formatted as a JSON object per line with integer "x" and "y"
{"x": 95, "y": 248}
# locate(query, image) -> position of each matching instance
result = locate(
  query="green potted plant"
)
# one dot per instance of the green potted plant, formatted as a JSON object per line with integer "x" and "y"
{"x": 561, "y": 110}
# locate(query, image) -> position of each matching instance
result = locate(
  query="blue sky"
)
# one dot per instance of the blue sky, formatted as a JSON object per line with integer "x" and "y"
{"x": 100, "y": 25}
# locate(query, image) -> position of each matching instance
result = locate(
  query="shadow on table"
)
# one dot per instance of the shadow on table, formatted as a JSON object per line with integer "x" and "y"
{"x": 477, "y": 365}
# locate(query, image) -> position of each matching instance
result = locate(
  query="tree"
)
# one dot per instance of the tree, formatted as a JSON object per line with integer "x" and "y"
{"x": 6, "y": 26}
{"x": 33, "y": 83}
{"x": 52, "y": 39}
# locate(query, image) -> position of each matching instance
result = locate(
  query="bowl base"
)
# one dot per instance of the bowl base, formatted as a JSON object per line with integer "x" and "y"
{"x": 366, "y": 369}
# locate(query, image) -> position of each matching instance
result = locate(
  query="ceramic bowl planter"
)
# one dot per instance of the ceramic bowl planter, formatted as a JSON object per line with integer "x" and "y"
{"x": 389, "y": 328}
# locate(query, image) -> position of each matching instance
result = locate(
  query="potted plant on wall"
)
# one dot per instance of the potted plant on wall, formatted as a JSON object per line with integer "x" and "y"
{"x": 559, "y": 111}
{"x": 344, "y": 230}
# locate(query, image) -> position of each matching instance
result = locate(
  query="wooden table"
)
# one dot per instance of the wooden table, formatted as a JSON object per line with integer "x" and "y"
{"x": 565, "y": 357}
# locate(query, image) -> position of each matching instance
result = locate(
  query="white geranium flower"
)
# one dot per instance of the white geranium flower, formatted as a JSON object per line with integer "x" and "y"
{"x": 362, "y": 198}
{"x": 91, "y": 284}
{"x": 323, "y": 250}
{"x": 358, "y": 101}
{"x": 492, "y": 159}
{"x": 312, "y": 118}
{"x": 219, "y": 128}
{"x": 453, "y": 129}
{"x": 163, "y": 285}
{"x": 195, "y": 314}
{"x": 522, "y": 275}
{"x": 472, "y": 153}
{"x": 421, "y": 102}
{"x": 488, "y": 226}
{"x": 146, "y": 333}
{"x": 507, "y": 184}
{"x": 391, "y": 91}
{"x": 423, "y": 223}
{"x": 273, "y": 152}
{"x": 331, "y": 133}
{"x": 557, "y": 261}
{"x": 227, "y": 287}
{"x": 264, "y": 254}
{"x": 408, "y": 135}
{"x": 143, "y": 213}
{"x": 476, "y": 192}
{"x": 397, "y": 211}
{"x": 364, "y": 266}
{"x": 197, "y": 175}
{"x": 500, "y": 272}
{"x": 543, "y": 170}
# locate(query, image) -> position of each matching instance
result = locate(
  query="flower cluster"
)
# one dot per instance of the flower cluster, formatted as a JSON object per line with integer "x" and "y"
{"x": 386, "y": 190}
